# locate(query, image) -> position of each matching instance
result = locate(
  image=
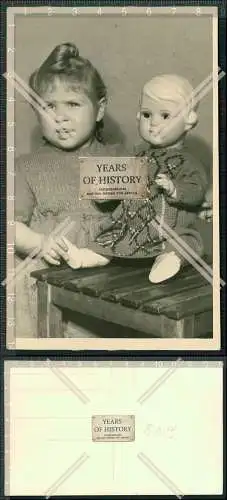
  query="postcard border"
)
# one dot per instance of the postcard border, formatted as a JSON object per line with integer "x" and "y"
{"x": 111, "y": 344}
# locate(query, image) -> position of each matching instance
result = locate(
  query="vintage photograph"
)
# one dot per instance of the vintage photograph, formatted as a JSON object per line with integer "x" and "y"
{"x": 111, "y": 91}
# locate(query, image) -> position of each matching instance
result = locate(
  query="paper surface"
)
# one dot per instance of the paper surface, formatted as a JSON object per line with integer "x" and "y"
{"x": 178, "y": 440}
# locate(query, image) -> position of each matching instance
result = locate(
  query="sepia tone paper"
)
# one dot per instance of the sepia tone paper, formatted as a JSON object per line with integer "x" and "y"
{"x": 178, "y": 443}
{"x": 124, "y": 65}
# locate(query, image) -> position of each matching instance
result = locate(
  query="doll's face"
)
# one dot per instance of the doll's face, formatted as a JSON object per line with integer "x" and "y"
{"x": 158, "y": 123}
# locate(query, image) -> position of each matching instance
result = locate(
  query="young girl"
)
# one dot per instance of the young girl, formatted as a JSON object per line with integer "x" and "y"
{"x": 176, "y": 187}
{"x": 47, "y": 181}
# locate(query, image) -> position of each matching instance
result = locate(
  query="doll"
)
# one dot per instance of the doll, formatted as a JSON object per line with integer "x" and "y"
{"x": 177, "y": 183}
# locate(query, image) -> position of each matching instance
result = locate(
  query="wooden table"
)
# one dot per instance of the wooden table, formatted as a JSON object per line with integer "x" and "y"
{"x": 122, "y": 294}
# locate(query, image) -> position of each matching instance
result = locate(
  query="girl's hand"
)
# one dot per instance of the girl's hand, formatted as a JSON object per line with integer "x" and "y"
{"x": 53, "y": 249}
{"x": 166, "y": 184}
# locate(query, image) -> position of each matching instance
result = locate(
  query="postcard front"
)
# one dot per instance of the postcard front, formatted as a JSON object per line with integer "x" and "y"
{"x": 127, "y": 264}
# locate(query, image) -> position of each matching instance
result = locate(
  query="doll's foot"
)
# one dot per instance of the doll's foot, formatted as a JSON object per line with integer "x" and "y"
{"x": 165, "y": 266}
{"x": 78, "y": 258}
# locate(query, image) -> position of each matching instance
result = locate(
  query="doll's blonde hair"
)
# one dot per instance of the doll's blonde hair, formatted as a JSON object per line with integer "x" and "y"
{"x": 172, "y": 87}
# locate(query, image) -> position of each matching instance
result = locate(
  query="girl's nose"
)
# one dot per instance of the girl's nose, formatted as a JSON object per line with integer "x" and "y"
{"x": 59, "y": 118}
{"x": 60, "y": 114}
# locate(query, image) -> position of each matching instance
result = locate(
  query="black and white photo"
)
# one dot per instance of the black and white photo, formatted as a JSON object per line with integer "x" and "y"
{"x": 111, "y": 91}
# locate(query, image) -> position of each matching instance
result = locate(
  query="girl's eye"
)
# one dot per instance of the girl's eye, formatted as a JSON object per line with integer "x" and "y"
{"x": 73, "y": 104}
{"x": 50, "y": 105}
{"x": 165, "y": 116}
{"x": 146, "y": 115}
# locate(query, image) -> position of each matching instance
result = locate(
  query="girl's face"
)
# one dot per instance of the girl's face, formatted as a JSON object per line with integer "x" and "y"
{"x": 158, "y": 123}
{"x": 70, "y": 119}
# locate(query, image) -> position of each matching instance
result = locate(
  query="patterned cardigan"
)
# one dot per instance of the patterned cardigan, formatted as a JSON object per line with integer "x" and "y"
{"x": 136, "y": 227}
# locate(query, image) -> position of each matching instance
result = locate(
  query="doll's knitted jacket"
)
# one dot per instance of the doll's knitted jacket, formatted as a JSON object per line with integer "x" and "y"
{"x": 137, "y": 226}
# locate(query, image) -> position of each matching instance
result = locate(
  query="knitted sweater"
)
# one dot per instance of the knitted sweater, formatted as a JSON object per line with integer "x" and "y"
{"x": 47, "y": 191}
{"x": 133, "y": 229}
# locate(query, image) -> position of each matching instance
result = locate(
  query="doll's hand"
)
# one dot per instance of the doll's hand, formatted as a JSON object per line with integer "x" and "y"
{"x": 206, "y": 212}
{"x": 53, "y": 249}
{"x": 166, "y": 184}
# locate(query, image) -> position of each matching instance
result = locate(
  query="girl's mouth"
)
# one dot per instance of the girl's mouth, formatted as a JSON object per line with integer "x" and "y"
{"x": 64, "y": 133}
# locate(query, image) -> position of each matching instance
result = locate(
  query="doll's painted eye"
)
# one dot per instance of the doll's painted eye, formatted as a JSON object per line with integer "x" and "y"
{"x": 146, "y": 114}
{"x": 165, "y": 115}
